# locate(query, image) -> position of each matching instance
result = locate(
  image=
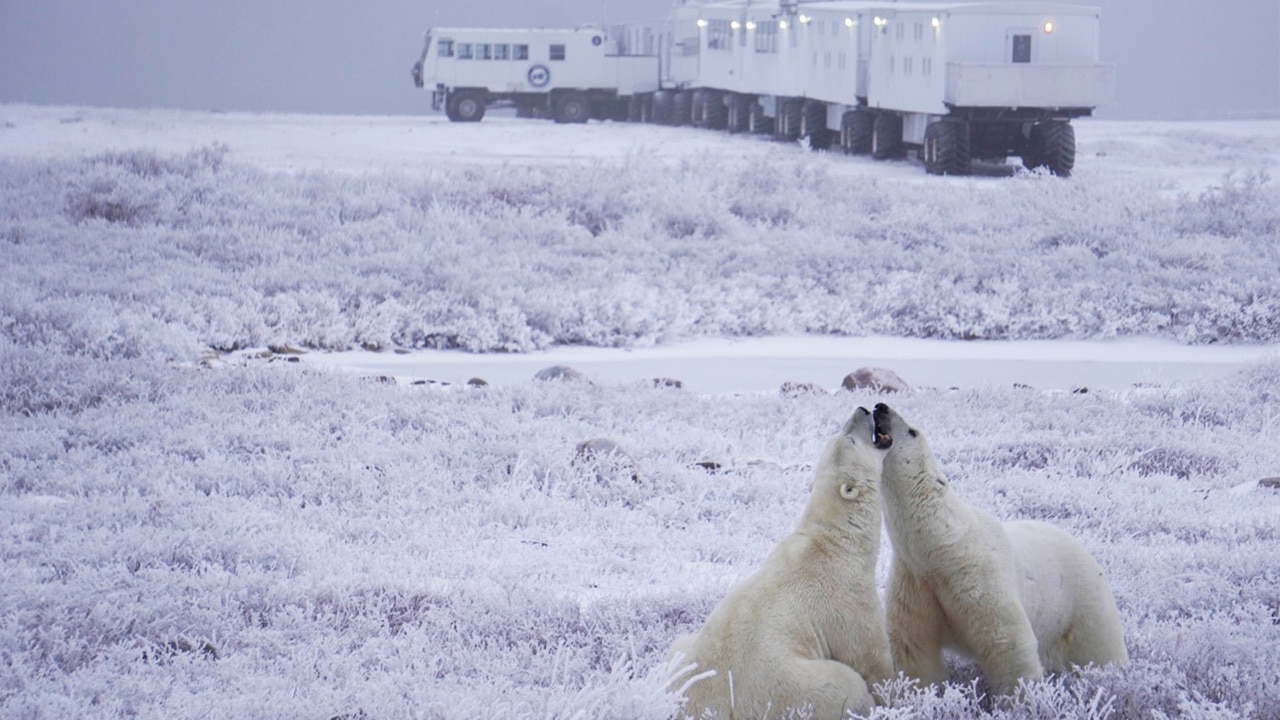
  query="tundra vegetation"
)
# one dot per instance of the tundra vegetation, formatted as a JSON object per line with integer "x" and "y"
{"x": 264, "y": 539}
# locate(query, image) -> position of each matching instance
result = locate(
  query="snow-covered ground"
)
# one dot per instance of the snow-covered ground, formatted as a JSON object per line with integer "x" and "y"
{"x": 1180, "y": 155}
{"x": 192, "y": 525}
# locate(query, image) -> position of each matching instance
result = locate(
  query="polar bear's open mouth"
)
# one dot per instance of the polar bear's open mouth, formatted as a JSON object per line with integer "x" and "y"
{"x": 880, "y": 435}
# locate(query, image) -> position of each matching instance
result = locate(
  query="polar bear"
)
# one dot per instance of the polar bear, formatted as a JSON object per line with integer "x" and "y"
{"x": 1022, "y": 598}
{"x": 806, "y": 631}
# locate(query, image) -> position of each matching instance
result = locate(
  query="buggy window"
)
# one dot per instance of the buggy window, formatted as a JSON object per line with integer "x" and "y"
{"x": 1022, "y": 48}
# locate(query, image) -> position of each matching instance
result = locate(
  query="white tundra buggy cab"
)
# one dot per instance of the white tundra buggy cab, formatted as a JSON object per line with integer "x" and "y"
{"x": 567, "y": 75}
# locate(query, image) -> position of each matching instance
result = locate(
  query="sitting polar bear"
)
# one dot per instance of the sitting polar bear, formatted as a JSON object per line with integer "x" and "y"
{"x": 805, "y": 632}
{"x": 1021, "y": 598}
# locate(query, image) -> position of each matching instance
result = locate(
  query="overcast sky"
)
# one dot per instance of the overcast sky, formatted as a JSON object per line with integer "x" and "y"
{"x": 1175, "y": 58}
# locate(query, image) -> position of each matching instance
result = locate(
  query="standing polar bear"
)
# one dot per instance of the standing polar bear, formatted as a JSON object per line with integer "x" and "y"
{"x": 805, "y": 632}
{"x": 1022, "y": 598}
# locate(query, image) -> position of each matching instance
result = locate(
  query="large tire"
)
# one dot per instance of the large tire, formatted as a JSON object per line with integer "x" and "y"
{"x": 757, "y": 121}
{"x": 682, "y": 108}
{"x": 738, "y": 112}
{"x": 573, "y": 107}
{"x": 662, "y": 107}
{"x": 856, "y": 131}
{"x": 635, "y": 108}
{"x": 1053, "y": 146}
{"x": 465, "y": 106}
{"x": 946, "y": 148}
{"x": 886, "y": 137}
{"x": 813, "y": 124}
{"x": 712, "y": 113}
{"x": 787, "y": 124}
{"x": 620, "y": 109}
{"x": 696, "y": 101}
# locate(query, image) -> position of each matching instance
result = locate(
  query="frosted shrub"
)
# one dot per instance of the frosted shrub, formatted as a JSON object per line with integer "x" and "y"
{"x": 168, "y": 255}
{"x": 1244, "y": 204}
{"x": 32, "y": 384}
{"x": 273, "y": 541}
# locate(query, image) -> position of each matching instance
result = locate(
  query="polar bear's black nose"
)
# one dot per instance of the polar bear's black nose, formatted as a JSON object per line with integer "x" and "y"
{"x": 882, "y": 433}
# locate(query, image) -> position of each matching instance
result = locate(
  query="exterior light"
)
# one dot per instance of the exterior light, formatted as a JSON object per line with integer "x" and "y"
{"x": 702, "y": 23}
{"x": 782, "y": 24}
{"x": 1048, "y": 26}
{"x": 936, "y": 23}
{"x": 751, "y": 25}
{"x": 735, "y": 24}
{"x": 848, "y": 22}
{"x": 805, "y": 18}
{"x": 879, "y": 21}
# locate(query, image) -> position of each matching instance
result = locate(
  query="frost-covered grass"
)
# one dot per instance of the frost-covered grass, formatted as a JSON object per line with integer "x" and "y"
{"x": 266, "y": 540}
{"x": 137, "y": 254}
{"x": 272, "y": 541}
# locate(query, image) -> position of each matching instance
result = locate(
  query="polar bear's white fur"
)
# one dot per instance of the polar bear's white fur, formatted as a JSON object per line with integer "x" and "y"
{"x": 1022, "y": 598}
{"x": 806, "y": 631}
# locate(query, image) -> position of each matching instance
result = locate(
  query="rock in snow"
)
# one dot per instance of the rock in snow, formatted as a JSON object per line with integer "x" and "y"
{"x": 875, "y": 378}
{"x": 560, "y": 372}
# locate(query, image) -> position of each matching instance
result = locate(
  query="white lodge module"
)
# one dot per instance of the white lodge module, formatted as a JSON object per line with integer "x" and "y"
{"x": 956, "y": 81}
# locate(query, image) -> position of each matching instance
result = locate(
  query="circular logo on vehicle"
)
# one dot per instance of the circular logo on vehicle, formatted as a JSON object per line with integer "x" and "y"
{"x": 596, "y": 40}
{"x": 539, "y": 76}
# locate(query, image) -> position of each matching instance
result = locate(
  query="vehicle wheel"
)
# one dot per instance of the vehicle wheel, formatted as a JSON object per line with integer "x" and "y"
{"x": 738, "y": 109}
{"x": 787, "y": 124}
{"x": 697, "y": 101}
{"x": 946, "y": 148}
{"x": 856, "y": 131}
{"x": 662, "y": 107}
{"x": 465, "y": 106}
{"x": 573, "y": 107}
{"x": 813, "y": 123}
{"x": 635, "y": 108}
{"x": 886, "y": 136}
{"x": 1052, "y": 145}
{"x": 757, "y": 121}
{"x": 712, "y": 113}
{"x": 682, "y": 108}
{"x": 621, "y": 109}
